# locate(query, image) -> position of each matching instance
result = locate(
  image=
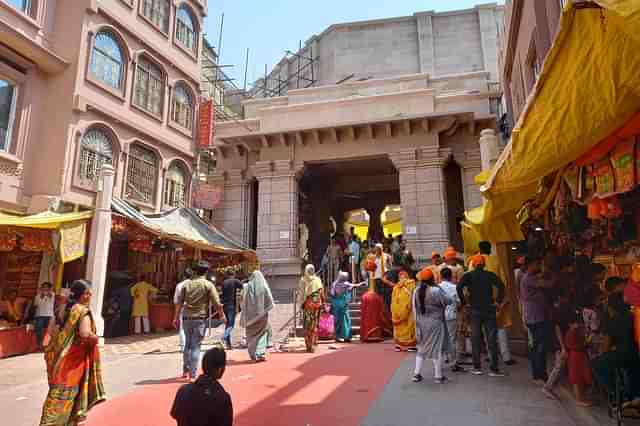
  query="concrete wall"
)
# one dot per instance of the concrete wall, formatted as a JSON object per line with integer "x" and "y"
{"x": 427, "y": 42}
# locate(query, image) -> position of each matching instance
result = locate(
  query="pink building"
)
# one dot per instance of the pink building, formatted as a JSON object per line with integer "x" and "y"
{"x": 89, "y": 82}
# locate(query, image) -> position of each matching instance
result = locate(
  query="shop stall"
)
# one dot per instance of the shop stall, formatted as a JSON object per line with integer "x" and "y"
{"x": 157, "y": 248}
{"x": 34, "y": 249}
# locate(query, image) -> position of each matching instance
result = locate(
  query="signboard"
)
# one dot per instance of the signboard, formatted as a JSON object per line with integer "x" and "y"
{"x": 206, "y": 124}
{"x": 207, "y": 196}
{"x": 284, "y": 235}
{"x": 411, "y": 230}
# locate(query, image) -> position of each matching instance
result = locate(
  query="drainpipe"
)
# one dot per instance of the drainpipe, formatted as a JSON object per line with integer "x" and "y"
{"x": 99, "y": 244}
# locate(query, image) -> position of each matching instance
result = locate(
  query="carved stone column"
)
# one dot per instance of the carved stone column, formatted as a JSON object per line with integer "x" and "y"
{"x": 232, "y": 215}
{"x": 423, "y": 199}
{"x": 471, "y": 167}
{"x": 489, "y": 150}
{"x": 277, "y": 245}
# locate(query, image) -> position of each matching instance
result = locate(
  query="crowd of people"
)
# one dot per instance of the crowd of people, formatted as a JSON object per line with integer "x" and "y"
{"x": 570, "y": 308}
{"x": 574, "y": 310}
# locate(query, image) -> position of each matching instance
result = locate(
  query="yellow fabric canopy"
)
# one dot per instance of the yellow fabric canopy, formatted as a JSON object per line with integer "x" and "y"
{"x": 588, "y": 88}
{"x": 44, "y": 220}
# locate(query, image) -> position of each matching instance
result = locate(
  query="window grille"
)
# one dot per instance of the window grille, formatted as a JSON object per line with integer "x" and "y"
{"x": 175, "y": 186}
{"x": 183, "y": 107}
{"x": 149, "y": 92}
{"x": 185, "y": 29}
{"x": 107, "y": 63}
{"x": 141, "y": 174}
{"x": 157, "y": 11}
{"x": 95, "y": 151}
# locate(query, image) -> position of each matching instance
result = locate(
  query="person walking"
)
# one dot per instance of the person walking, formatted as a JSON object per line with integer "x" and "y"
{"x": 481, "y": 284}
{"x": 230, "y": 286}
{"x": 196, "y": 300}
{"x": 451, "y": 316}
{"x": 188, "y": 275}
{"x": 536, "y": 316}
{"x": 310, "y": 298}
{"x": 73, "y": 363}
{"x": 429, "y": 303}
{"x": 383, "y": 264}
{"x": 205, "y": 402}
{"x": 257, "y": 302}
{"x": 43, "y": 304}
{"x": 340, "y": 299}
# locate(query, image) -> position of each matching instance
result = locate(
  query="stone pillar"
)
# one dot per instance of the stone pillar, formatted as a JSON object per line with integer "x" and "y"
{"x": 277, "y": 245}
{"x": 471, "y": 167}
{"x": 489, "y": 150}
{"x": 376, "y": 230}
{"x": 422, "y": 197}
{"x": 233, "y": 215}
{"x": 99, "y": 244}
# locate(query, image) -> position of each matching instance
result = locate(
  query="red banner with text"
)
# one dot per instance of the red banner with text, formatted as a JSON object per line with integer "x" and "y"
{"x": 206, "y": 124}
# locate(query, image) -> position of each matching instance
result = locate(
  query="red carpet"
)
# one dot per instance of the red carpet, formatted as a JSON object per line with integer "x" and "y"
{"x": 329, "y": 388}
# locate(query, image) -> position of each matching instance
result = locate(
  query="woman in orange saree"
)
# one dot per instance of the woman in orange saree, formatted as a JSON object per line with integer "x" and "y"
{"x": 73, "y": 364}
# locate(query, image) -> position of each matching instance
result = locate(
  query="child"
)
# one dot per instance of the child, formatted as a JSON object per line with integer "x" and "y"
{"x": 591, "y": 317}
{"x": 205, "y": 402}
{"x": 562, "y": 316}
{"x": 577, "y": 361}
{"x": 326, "y": 326}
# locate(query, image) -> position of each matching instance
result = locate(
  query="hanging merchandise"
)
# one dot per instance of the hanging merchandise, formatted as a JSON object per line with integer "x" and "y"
{"x": 8, "y": 241}
{"x": 37, "y": 240}
{"x": 603, "y": 173}
{"x": 587, "y": 183}
{"x": 572, "y": 179}
{"x": 622, "y": 159}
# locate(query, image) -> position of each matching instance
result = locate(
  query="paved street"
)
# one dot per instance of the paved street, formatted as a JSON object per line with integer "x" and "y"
{"x": 353, "y": 385}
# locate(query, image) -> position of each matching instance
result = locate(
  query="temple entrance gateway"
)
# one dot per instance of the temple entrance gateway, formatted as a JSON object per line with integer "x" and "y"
{"x": 334, "y": 189}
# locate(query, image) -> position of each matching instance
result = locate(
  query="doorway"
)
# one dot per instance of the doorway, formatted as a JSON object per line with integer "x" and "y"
{"x": 455, "y": 203}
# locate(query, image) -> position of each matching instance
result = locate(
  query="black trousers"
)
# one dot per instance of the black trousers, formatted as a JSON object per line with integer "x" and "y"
{"x": 484, "y": 318}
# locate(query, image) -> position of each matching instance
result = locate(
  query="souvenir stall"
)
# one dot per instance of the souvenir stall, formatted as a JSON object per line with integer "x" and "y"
{"x": 157, "y": 248}
{"x": 34, "y": 249}
{"x": 565, "y": 180}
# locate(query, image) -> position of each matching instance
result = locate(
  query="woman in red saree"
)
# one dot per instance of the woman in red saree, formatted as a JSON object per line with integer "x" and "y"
{"x": 375, "y": 323}
{"x": 73, "y": 364}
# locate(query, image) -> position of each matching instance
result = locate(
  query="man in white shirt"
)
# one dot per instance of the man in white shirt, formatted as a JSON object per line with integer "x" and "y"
{"x": 43, "y": 304}
{"x": 451, "y": 317}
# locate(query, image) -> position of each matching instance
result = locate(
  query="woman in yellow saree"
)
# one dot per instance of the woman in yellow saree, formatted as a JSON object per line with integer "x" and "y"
{"x": 404, "y": 324}
{"x": 73, "y": 364}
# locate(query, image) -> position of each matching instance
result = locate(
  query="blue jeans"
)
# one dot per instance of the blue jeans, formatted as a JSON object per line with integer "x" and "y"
{"x": 41, "y": 325}
{"x": 540, "y": 335}
{"x": 230, "y": 313}
{"x": 194, "y": 331}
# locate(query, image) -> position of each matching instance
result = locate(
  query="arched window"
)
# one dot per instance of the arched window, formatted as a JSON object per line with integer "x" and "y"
{"x": 183, "y": 106}
{"x": 96, "y": 150}
{"x": 186, "y": 33}
{"x": 149, "y": 92}
{"x": 175, "y": 187}
{"x": 107, "y": 60}
{"x": 156, "y": 11}
{"x": 142, "y": 174}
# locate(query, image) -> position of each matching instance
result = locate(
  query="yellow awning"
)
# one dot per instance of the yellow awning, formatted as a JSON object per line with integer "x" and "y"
{"x": 44, "y": 220}
{"x": 588, "y": 88}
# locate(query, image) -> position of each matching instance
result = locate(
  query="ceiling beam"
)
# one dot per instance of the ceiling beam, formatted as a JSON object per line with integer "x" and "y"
{"x": 369, "y": 131}
{"x": 424, "y": 124}
{"x": 282, "y": 138}
{"x": 351, "y": 133}
{"x": 407, "y": 127}
{"x": 387, "y": 130}
{"x": 300, "y": 138}
{"x": 264, "y": 140}
{"x": 334, "y": 135}
{"x": 316, "y": 137}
